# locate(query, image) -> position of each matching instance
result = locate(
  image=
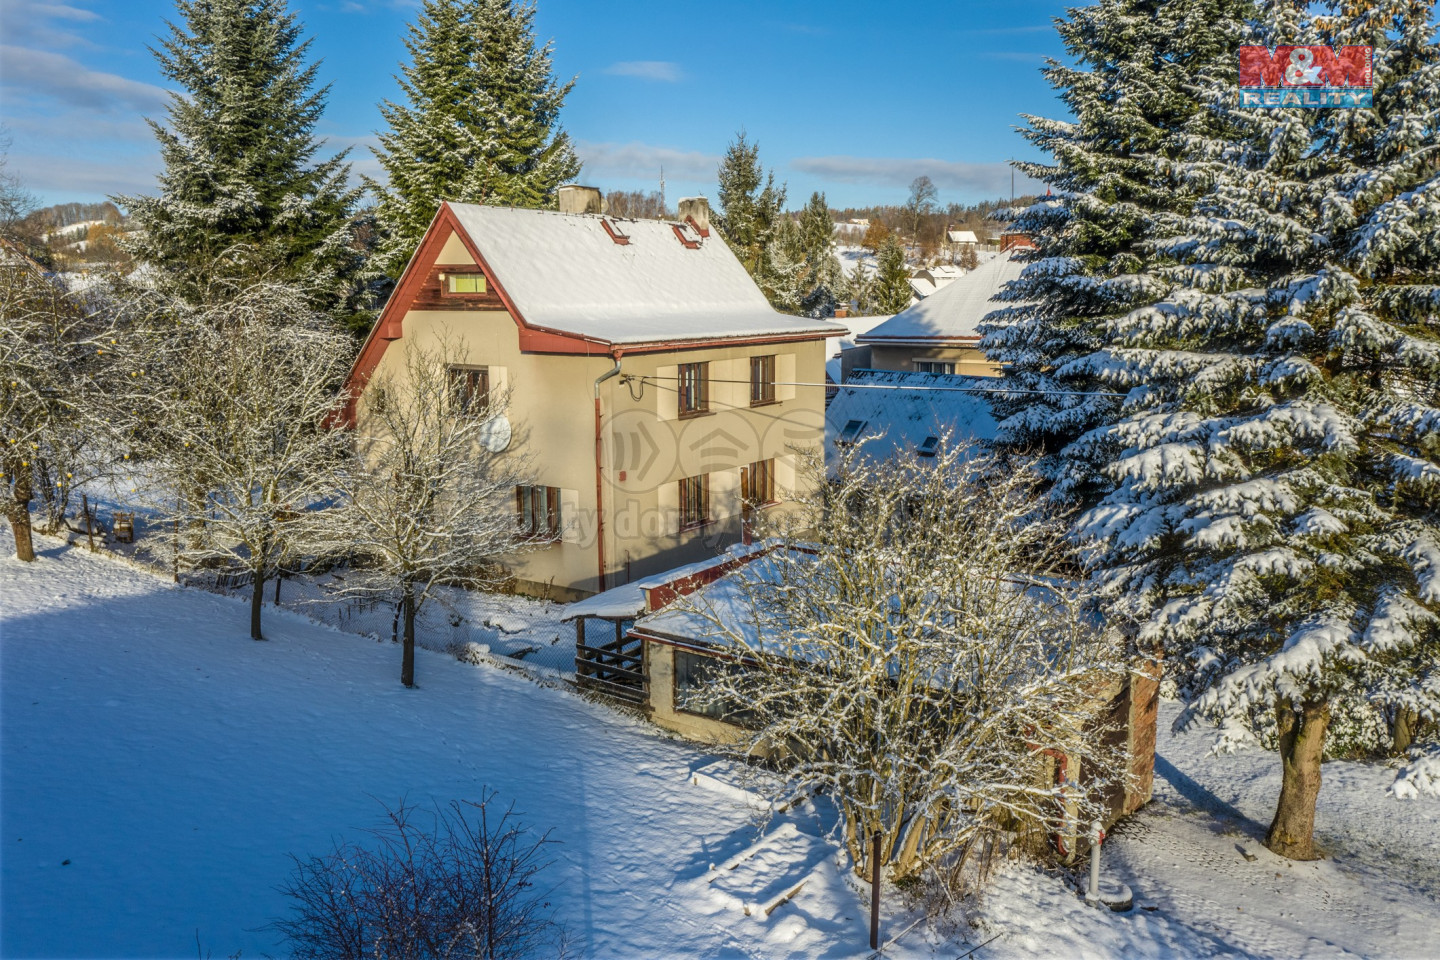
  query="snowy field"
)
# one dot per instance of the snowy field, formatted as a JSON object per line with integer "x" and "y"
{"x": 156, "y": 768}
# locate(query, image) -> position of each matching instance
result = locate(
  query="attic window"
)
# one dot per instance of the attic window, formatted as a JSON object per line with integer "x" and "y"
{"x": 928, "y": 447}
{"x": 465, "y": 283}
{"x": 685, "y": 241}
{"x": 852, "y": 431}
{"x": 616, "y": 234}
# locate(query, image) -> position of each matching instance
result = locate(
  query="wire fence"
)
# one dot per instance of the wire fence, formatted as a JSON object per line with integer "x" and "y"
{"x": 466, "y": 624}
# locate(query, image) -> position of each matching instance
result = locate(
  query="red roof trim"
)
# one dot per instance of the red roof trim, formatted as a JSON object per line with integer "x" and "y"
{"x": 680, "y": 235}
{"x": 621, "y": 238}
{"x": 703, "y": 231}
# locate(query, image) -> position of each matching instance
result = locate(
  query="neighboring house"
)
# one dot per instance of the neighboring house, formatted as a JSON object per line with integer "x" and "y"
{"x": 927, "y": 280}
{"x": 661, "y": 398}
{"x": 959, "y": 237}
{"x": 940, "y": 334}
{"x": 894, "y": 414}
{"x": 672, "y": 653}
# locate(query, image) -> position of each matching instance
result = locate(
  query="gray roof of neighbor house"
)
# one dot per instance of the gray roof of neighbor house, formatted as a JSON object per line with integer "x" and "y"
{"x": 665, "y": 281}
{"x": 952, "y": 312}
{"x": 892, "y": 413}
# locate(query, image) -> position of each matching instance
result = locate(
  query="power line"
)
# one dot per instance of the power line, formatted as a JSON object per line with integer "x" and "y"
{"x": 899, "y": 386}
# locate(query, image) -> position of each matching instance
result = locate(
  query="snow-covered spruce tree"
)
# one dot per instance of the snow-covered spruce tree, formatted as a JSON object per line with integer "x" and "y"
{"x": 242, "y": 196}
{"x": 918, "y": 653}
{"x": 751, "y": 206}
{"x": 480, "y": 122}
{"x": 424, "y": 502}
{"x": 824, "y": 280}
{"x": 1132, "y": 92}
{"x": 783, "y": 272}
{"x": 1274, "y": 517}
{"x": 891, "y": 290}
{"x": 231, "y": 423}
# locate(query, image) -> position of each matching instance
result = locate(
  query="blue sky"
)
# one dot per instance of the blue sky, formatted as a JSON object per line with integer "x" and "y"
{"x": 852, "y": 98}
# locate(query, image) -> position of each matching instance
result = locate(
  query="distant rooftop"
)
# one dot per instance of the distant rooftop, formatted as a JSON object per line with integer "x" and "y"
{"x": 893, "y": 413}
{"x": 953, "y": 312}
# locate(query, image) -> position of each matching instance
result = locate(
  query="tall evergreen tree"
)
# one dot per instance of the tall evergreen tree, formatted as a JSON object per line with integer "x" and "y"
{"x": 1131, "y": 90}
{"x": 1273, "y": 506}
{"x": 242, "y": 195}
{"x": 824, "y": 281}
{"x": 750, "y": 203}
{"x": 480, "y": 122}
{"x": 891, "y": 291}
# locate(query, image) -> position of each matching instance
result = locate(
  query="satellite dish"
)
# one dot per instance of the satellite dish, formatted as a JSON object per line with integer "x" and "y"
{"x": 495, "y": 434}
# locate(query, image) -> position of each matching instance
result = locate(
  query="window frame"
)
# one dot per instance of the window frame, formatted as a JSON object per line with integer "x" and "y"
{"x": 927, "y": 447}
{"x": 692, "y": 389}
{"x": 694, "y": 501}
{"x": 470, "y": 375}
{"x": 683, "y": 680}
{"x": 921, "y": 364}
{"x": 760, "y": 479}
{"x": 527, "y": 516}
{"x": 851, "y": 433}
{"x": 447, "y": 285}
{"x": 762, "y": 380}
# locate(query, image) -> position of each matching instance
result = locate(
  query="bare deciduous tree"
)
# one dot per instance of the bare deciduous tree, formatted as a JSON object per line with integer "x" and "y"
{"x": 232, "y": 421}
{"x": 429, "y": 497}
{"x": 914, "y": 649}
{"x": 52, "y": 373}
{"x": 464, "y": 887}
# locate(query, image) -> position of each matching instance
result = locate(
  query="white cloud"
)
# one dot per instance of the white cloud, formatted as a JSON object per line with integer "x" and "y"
{"x": 643, "y": 161}
{"x": 67, "y": 178}
{"x": 986, "y": 179}
{"x": 662, "y": 70}
{"x": 33, "y": 74}
{"x": 28, "y": 23}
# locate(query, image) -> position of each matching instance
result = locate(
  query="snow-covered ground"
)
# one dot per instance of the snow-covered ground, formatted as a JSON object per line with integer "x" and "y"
{"x": 156, "y": 768}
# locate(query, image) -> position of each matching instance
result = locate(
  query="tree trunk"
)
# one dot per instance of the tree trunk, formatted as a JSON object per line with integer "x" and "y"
{"x": 257, "y": 599}
{"x": 1406, "y": 720}
{"x": 407, "y": 662}
{"x": 17, "y": 511}
{"x": 1302, "y": 742}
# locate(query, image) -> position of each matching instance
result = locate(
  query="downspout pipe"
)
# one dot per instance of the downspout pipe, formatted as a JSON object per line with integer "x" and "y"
{"x": 599, "y": 466}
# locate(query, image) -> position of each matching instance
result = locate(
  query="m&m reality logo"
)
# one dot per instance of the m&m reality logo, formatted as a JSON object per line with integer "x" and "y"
{"x": 1306, "y": 76}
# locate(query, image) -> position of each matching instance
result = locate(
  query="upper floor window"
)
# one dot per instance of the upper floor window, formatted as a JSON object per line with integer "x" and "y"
{"x": 762, "y": 380}
{"x": 538, "y": 509}
{"x": 471, "y": 388}
{"x": 928, "y": 447}
{"x": 694, "y": 386}
{"x": 465, "y": 283}
{"x": 694, "y": 501}
{"x": 934, "y": 366}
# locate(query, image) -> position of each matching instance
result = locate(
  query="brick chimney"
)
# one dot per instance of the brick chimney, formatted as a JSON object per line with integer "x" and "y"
{"x": 577, "y": 199}
{"x": 697, "y": 211}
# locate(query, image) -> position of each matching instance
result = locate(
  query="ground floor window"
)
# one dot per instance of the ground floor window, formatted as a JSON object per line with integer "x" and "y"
{"x": 694, "y": 501}
{"x": 695, "y": 676}
{"x": 538, "y": 509}
{"x": 760, "y": 482}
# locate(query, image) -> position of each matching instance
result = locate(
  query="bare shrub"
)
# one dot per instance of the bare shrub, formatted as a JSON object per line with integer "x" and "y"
{"x": 456, "y": 884}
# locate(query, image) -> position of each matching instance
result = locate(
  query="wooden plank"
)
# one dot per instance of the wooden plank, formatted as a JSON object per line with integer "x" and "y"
{"x": 629, "y": 694}
{"x": 434, "y": 295}
{"x": 584, "y": 668}
{"x": 600, "y": 655}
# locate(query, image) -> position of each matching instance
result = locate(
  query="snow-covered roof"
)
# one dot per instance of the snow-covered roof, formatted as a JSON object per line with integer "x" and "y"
{"x": 963, "y": 236}
{"x": 898, "y": 411}
{"x": 566, "y": 272}
{"x": 631, "y": 599}
{"x": 952, "y": 312}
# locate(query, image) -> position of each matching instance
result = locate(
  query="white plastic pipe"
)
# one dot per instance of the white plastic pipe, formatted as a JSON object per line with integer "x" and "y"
{"x": 1092, "y": 893}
